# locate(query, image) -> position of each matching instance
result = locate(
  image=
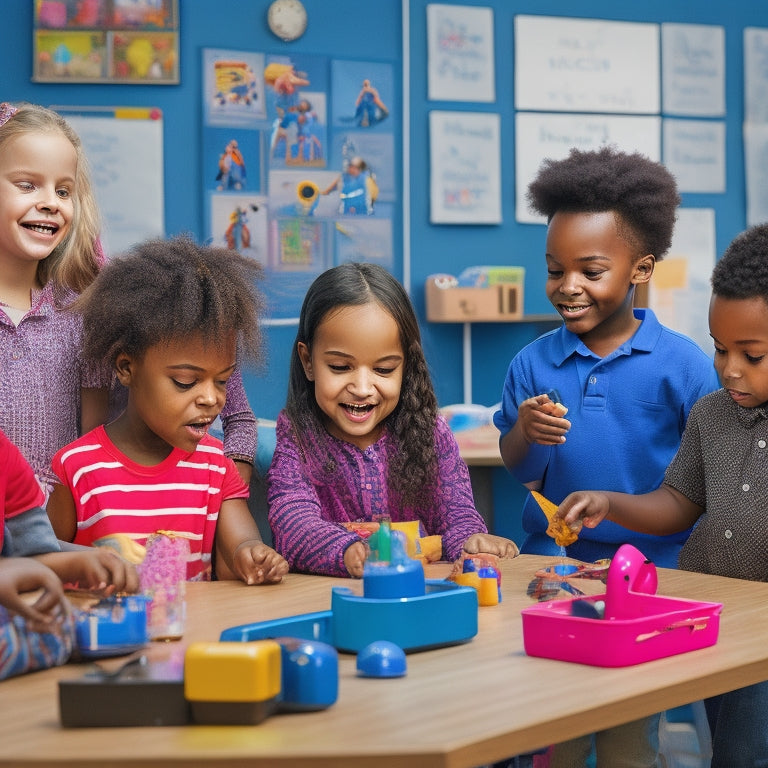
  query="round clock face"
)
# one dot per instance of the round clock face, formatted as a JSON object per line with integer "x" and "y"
{"x": 287, "y": 19}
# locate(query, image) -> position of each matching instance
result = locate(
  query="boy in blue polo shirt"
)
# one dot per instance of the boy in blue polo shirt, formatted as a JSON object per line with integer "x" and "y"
{"x": 627, "y": 381}
{"x": 717, "y": 479}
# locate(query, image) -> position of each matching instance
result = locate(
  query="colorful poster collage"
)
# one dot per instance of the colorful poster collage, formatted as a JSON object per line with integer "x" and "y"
{"x": 298, "y": 164}
{"x": 109, "y": 41}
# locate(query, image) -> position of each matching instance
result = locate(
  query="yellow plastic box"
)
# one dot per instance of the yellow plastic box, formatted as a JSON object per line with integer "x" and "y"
{"x": 232, "y": 682}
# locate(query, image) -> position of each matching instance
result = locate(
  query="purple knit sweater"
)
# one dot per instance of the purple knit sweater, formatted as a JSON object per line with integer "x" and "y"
{"x": 41, "y": 375}
{"x": 336, "y": 482}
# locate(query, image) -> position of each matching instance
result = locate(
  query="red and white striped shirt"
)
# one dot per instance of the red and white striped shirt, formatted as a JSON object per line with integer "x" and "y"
{"x": 183, "y": 493}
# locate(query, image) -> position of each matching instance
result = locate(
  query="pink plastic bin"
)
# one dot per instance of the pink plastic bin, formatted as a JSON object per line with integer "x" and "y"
{"x": 637, "y": 626}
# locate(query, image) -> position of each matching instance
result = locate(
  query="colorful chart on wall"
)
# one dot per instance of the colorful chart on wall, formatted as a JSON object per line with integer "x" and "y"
{"x": 298, "y": 165}
{"x": 124, "y": 147}
{"x": 106, "y": 41}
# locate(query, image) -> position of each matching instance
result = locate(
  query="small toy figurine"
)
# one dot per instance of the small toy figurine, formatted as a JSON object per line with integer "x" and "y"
{"x": 309, "y": 149}
{"x": 480, "y": 572}
{"x": 231, "y": 173}
{"x": 369, "y": 108}
{"x": 285, "y": 81}
{"x": 359, "y": 189}
{"x": 238, "y": 236}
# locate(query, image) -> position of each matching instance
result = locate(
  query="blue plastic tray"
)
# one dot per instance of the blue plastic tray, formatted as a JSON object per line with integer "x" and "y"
{"x": 446, "y": 614}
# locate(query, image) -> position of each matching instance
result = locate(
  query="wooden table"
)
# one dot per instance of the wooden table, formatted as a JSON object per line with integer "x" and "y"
{"x": 457, "y": 707}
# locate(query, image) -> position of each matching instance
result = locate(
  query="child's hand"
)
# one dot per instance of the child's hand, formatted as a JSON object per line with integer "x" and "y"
{"x": 94, "y": 568}
{"x": 541, "y": 420}
{"x": 583, "y": 507}
{"x": 487, "y": 544}
{"x": 354, "y": 558}
{"x": 25, "y": 574}
{"x": 256, "y": 563}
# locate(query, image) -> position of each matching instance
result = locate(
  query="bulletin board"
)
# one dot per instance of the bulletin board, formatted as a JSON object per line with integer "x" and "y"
{"x": 298, "y": 165}
{"x": 124, "y": 147}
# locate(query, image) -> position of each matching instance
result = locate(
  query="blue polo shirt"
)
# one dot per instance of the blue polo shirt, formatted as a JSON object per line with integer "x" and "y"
{"x": 628, "y": 412}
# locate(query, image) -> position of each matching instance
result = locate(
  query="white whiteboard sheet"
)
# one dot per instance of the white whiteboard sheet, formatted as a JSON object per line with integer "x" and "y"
{"x": 693, "y": 69}
{"x": 124, "y": 147}
{"x": 542, "y": 136}
{"x": 460, "y": 45}
{"x": 586, "y": 65}
{"x": 465, "y": 158}
{"x": 694, "y": 153}
{"x": 755, "y": 163}
{"x": 756, "y": 75}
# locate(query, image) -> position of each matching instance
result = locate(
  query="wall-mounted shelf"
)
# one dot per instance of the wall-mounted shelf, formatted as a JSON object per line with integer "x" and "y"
{"x": 448, "y": 302}
{"x": 554, "y": 319}
{"x": 540, "y": 318}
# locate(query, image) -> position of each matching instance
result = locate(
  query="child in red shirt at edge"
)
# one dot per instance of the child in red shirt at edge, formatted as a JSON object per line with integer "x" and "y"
{"x": 36, "y": 635}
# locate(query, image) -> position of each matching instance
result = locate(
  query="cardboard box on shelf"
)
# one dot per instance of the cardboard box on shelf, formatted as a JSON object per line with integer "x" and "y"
{"x": 495, "y": 295}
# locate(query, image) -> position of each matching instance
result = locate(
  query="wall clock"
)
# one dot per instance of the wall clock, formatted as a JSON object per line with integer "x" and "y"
{"x": 287, "y": 19}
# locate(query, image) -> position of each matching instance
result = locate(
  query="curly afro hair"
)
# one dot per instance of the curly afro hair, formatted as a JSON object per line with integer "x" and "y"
{"x": 742, "y": 273}
{"x": 168, "y": 289}
{"x": 642, "y": 193}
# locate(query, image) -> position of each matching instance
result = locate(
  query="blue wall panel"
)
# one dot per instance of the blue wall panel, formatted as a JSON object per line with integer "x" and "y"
{"x": 373, "y": 31}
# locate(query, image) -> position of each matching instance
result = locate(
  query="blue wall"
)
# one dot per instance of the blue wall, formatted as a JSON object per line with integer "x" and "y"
{"x": 343, "y": 29}
{"x": 373, "y": 31}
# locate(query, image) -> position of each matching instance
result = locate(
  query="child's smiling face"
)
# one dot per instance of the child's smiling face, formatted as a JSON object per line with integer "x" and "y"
{"x": 177, "y": 389}
{"x": 739, "y": 329}
{"x": 37, "y": 186}
{"x": 591, "y": 267}
{"x": 356, "y": 363}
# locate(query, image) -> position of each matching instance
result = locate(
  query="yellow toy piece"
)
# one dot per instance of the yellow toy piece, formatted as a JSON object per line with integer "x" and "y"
{"x": 470, "y": 579}
{"x": 232, "y": 671}
{"x": 557, "y": 528}
{"x": 488, "y": 591}
{"x": 125, "y": 546}
{"x": 410, "y": 529}
{"x": 372, "y": 188}
{"x": 431, "y": 548}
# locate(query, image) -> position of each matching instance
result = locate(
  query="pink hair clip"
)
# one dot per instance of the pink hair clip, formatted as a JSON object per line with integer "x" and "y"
{"x": 7, "y": 111}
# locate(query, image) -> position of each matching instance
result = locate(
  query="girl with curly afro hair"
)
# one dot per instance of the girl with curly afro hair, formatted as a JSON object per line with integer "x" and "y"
{"x": 172, "y": 318}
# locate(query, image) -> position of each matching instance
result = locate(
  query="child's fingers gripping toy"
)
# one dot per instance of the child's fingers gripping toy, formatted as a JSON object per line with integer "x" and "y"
{"x": 555, "y": 407}
{"x": 557, "y": 528}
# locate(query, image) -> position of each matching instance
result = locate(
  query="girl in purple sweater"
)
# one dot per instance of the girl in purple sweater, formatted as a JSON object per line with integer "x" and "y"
{"x": 360, "y": 434}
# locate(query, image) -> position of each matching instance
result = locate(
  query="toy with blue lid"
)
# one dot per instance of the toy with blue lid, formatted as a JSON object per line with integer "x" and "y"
{"x": 397, "y": 605}
{"x": 627, "y": 625}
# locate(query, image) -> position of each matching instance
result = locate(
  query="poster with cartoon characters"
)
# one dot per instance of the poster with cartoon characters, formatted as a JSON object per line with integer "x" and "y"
{"x": 298, "y": 165}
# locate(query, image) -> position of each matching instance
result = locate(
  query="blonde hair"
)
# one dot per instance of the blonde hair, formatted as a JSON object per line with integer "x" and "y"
{"x": 75, "y": 262}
